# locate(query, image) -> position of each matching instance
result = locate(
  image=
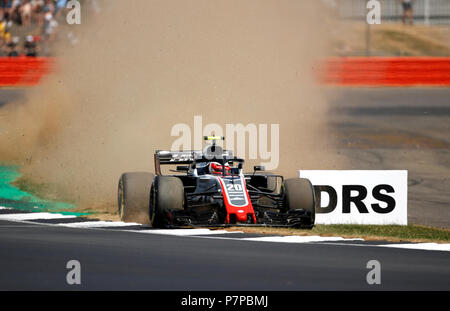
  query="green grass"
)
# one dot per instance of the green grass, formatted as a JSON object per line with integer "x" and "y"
{"x": 391, "y": 39}
{"x": 41, "y": 190}
{"x": 405, "y": 44}
{"x": 410, "y": 233}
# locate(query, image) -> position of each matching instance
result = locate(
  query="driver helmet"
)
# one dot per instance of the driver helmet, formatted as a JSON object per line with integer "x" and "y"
{"x": 216, "y": 168}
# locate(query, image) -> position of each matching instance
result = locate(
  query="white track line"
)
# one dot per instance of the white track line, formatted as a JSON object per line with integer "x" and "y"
{"x": 177, "y": 232}
{"x": 184, "y": 232}
{"x": 29, "y": 217}
{"x": 99, "y": 224}
{"x": 206, "y": 232}
{"x": 298, "y": 239}
{"x": 421, "y": 246}
{"x": 325, "y": 240}
{"x": 34, "y": 216}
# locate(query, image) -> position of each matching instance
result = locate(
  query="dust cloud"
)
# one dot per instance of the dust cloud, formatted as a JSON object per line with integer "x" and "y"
{"x": 143, "y": 66}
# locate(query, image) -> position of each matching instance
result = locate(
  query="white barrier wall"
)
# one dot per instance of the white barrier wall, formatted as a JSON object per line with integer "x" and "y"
{"x": 360, "y": 197}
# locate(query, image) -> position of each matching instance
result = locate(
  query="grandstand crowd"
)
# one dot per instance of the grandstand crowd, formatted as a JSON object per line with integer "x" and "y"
{"x": 30, "y": 27}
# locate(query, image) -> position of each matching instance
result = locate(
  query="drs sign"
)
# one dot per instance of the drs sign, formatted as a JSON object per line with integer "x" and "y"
{"x": 360, "y": 197}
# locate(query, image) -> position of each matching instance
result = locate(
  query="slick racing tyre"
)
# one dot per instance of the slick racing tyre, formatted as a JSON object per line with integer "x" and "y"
{"x": 134, "y": 195}
{"x": 299, "y": 194}
{"x": 166, "y": 197}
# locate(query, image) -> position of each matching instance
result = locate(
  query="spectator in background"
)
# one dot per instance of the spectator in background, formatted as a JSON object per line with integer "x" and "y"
{"x": 5, "y": 6}
{"x": 38, "y": 8}
{"x": 49, "y": 32}
{"x": 30, "y": 47}
{"x": 15, "y": 15}
{"x": 50, "y": 26}
{"x": 25, "y": 12}
{"x": 60, "y": 8}
{"x": 408, "y": 12}
{"x": 49, "y": 7}
{"x": 3, "y": 27}
{"x": 11, "y": 46}
{"x": 5, "y": 35}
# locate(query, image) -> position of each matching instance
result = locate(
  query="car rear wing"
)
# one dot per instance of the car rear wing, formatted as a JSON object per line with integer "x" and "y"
{"x": 180, "y": 157}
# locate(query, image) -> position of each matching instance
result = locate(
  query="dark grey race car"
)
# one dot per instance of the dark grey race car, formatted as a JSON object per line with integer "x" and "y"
{"x": 211, "y": 189}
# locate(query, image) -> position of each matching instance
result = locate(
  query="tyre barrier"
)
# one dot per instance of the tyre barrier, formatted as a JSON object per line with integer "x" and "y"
{"x": 385, "y": 71}
{"x": 23, "y": 71}
{"x": 351, "y": 71}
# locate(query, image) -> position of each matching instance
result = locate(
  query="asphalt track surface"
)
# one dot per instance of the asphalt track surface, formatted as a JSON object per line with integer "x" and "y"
{"x": 34, "y": 257}
{"x": 399, "y": 128}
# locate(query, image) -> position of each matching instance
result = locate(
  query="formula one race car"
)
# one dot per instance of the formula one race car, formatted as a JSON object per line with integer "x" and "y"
{"x": 211, "y": 190}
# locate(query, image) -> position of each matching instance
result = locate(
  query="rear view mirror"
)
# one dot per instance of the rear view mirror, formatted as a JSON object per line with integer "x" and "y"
{"x": 258, "y": 168}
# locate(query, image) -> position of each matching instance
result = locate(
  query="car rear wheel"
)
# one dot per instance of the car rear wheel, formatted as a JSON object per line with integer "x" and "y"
{"x": 299, "y": 194}
{"x": 133, "y": 196}
{"x": 166, "y": 197}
